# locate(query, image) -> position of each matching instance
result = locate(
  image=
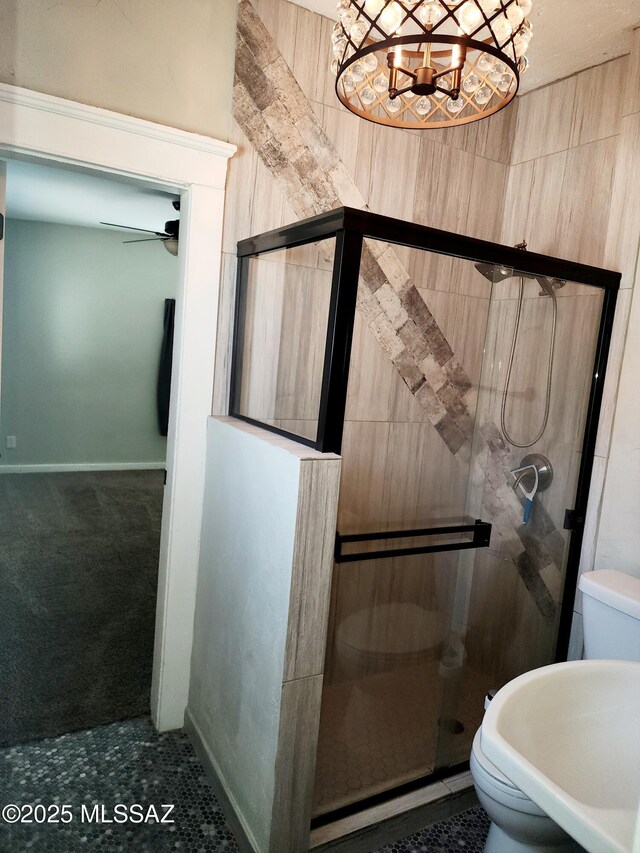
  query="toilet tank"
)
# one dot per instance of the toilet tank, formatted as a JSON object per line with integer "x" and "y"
{"x": 611, "y": 615}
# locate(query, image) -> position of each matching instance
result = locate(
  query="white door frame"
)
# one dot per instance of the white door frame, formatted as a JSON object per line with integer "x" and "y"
{"x": 49, "y": 129}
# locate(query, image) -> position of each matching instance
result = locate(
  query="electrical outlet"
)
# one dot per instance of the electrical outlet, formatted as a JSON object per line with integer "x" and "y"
{"x": 11, "y": 441}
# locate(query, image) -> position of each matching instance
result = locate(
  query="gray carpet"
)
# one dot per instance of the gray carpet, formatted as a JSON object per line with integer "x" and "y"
{"x": 78, "y": 577}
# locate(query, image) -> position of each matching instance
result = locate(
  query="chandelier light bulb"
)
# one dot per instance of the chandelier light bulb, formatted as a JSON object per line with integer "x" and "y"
{"x": 391, "y": 18}
{"x": 374, "y": 7}
{"x": 430, "y": 13}
{"x": 470, "y": 17}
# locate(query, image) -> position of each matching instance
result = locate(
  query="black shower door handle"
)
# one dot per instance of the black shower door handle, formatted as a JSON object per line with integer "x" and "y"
{"x": 481, "y": 538}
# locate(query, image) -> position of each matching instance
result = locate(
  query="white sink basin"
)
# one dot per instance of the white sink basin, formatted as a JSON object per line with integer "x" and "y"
{"x": 568, "y": 735}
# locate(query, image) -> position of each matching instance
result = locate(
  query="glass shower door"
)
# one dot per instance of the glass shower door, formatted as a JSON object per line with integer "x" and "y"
{"x": 448, "y": 377}
{"x": 406, "y": 470}
{"x": 534, "y": 394}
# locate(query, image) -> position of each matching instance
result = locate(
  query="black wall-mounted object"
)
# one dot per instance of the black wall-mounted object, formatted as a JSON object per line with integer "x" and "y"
{"x": 163, "y": 385}
{"x": 350, "y": 227}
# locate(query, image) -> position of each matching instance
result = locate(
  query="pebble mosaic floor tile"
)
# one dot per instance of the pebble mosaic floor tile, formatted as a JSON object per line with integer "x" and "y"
{"x": 465, "y": 832}
{"x": 123, "y": 763}
{"x": 129, "y": 763}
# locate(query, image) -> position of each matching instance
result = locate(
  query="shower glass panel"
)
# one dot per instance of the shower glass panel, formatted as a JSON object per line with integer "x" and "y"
{"x": 415, "y": 642}
{"x": 283, "y": 309}
{"x": 407, "y": 464}
{"x": 463, "y": 395}
{"x": 532, "y": 411}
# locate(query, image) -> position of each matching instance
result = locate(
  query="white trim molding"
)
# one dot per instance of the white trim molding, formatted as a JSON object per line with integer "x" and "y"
{"x": 53, "y": 130}
{"x": 38, "y": 125}
{"x": 80, "y": 466}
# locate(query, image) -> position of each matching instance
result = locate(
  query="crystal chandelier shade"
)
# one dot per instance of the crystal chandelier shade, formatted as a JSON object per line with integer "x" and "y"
{"x": 429, "y": 63}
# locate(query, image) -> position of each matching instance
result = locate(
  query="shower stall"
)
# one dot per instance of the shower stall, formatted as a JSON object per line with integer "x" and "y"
{"x": 461, "y": 383}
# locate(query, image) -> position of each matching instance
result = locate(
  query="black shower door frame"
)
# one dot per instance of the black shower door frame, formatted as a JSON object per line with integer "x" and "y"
{"x": 350, "y": 227}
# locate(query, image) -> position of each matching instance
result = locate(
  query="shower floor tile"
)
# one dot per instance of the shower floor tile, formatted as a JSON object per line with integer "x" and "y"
{"x": 383, "y": 730}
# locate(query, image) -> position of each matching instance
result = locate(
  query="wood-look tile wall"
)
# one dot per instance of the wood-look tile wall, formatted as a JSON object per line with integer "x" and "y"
{"x": 573, "y": 191}
{"x": 618, "y": 536}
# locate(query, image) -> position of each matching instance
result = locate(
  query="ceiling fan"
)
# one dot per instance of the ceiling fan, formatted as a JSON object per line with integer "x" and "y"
{"x": 169, "y": 236}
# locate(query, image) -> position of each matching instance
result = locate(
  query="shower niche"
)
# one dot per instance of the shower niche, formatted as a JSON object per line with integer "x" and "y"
{"x": 461, "y": 383}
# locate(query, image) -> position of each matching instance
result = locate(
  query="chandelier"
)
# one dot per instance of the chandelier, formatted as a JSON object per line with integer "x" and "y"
{"x": 429, "y": 63}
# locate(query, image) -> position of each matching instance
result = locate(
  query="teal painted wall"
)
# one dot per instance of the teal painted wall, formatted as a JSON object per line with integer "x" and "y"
{"x": 82, "y": 329}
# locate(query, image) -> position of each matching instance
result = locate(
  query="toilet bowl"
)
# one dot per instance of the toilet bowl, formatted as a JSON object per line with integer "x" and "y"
{"x": 518, "y": 825}
{"x": 611, "y": 619}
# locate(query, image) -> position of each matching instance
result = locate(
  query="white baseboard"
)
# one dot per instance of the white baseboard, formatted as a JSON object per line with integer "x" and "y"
{"x": 81, "y": 466}
{"x": 243, "y": 835}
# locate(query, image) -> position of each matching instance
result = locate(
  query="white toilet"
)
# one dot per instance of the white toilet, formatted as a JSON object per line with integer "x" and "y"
{"x": 611, "y": 619}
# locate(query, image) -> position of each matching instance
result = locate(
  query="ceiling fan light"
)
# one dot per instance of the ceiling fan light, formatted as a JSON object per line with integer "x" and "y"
{"x": 171, "y": 246}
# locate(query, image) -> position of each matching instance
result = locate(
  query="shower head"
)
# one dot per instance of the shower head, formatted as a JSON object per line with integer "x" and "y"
{"x": 494, "y": 273}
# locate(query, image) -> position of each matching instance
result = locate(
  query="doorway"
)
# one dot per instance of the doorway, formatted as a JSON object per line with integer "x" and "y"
{"x": 50, "y": 130}
{"x": 83, "y": 447}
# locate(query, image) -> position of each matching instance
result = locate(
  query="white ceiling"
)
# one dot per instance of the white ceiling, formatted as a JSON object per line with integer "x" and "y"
{"x": 55, "y": 194}
{"x": 569, "y": 35}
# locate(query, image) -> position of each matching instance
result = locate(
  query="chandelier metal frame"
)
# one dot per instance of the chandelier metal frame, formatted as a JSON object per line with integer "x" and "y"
{"x": 437, "y": 66}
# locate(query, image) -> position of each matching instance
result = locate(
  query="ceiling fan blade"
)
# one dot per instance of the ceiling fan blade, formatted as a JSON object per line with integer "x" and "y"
{"x": 133, "y": 228}
{"x": 145, "y": 240}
